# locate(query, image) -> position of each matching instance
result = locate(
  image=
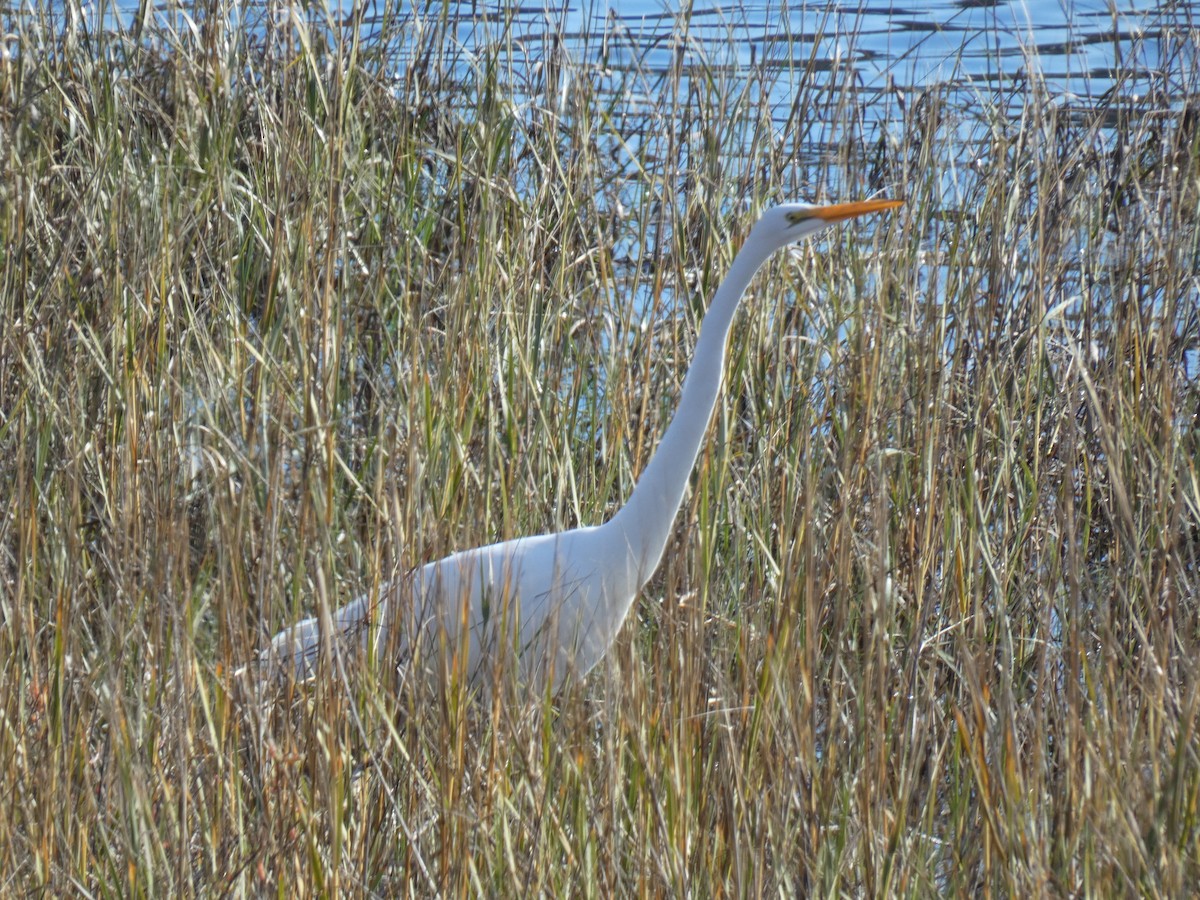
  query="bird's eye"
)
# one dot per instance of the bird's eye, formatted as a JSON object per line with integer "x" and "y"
{"x": 796, "y": 217}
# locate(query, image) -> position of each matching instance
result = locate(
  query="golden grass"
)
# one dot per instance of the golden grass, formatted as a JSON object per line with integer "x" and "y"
{"x": 283, "y": 315}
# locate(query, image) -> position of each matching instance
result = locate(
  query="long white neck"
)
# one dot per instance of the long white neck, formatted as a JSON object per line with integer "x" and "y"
{"x": 647, "y": 516}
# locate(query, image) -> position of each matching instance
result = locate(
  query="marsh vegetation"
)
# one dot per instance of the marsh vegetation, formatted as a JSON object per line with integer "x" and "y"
{"x": 283, "y": 315}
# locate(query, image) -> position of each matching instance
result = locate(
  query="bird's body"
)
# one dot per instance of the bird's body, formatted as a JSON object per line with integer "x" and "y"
{"x": 552, "y": 604}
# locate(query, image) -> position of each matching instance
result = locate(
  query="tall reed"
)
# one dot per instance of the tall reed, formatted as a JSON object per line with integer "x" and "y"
{"x": 290, "y": 306}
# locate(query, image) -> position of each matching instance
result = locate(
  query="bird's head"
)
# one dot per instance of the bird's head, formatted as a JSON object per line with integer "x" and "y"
{"x": 789, "y": 222}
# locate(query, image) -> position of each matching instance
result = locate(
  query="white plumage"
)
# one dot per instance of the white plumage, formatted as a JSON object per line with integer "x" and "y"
{"x": 554, "y": 603}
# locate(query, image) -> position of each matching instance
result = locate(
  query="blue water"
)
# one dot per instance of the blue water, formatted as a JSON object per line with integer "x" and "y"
{"x": 1076, "y": 47}
{"x": 879, "y": 57}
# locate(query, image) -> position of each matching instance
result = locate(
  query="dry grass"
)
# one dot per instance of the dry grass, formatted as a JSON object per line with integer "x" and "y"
{"x": 284, "y": 314}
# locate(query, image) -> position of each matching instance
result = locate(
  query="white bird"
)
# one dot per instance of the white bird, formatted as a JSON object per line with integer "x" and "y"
{"x": 555, "y": 602}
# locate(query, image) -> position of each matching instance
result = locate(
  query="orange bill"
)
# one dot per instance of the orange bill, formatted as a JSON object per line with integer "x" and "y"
{"x": 841, "y": 211}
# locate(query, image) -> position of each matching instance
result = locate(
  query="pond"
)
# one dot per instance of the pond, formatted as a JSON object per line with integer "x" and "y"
{"x": 1081, "y": 49}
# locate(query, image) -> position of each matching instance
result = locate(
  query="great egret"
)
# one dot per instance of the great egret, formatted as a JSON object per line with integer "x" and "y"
{"x": 555, "y": 602}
